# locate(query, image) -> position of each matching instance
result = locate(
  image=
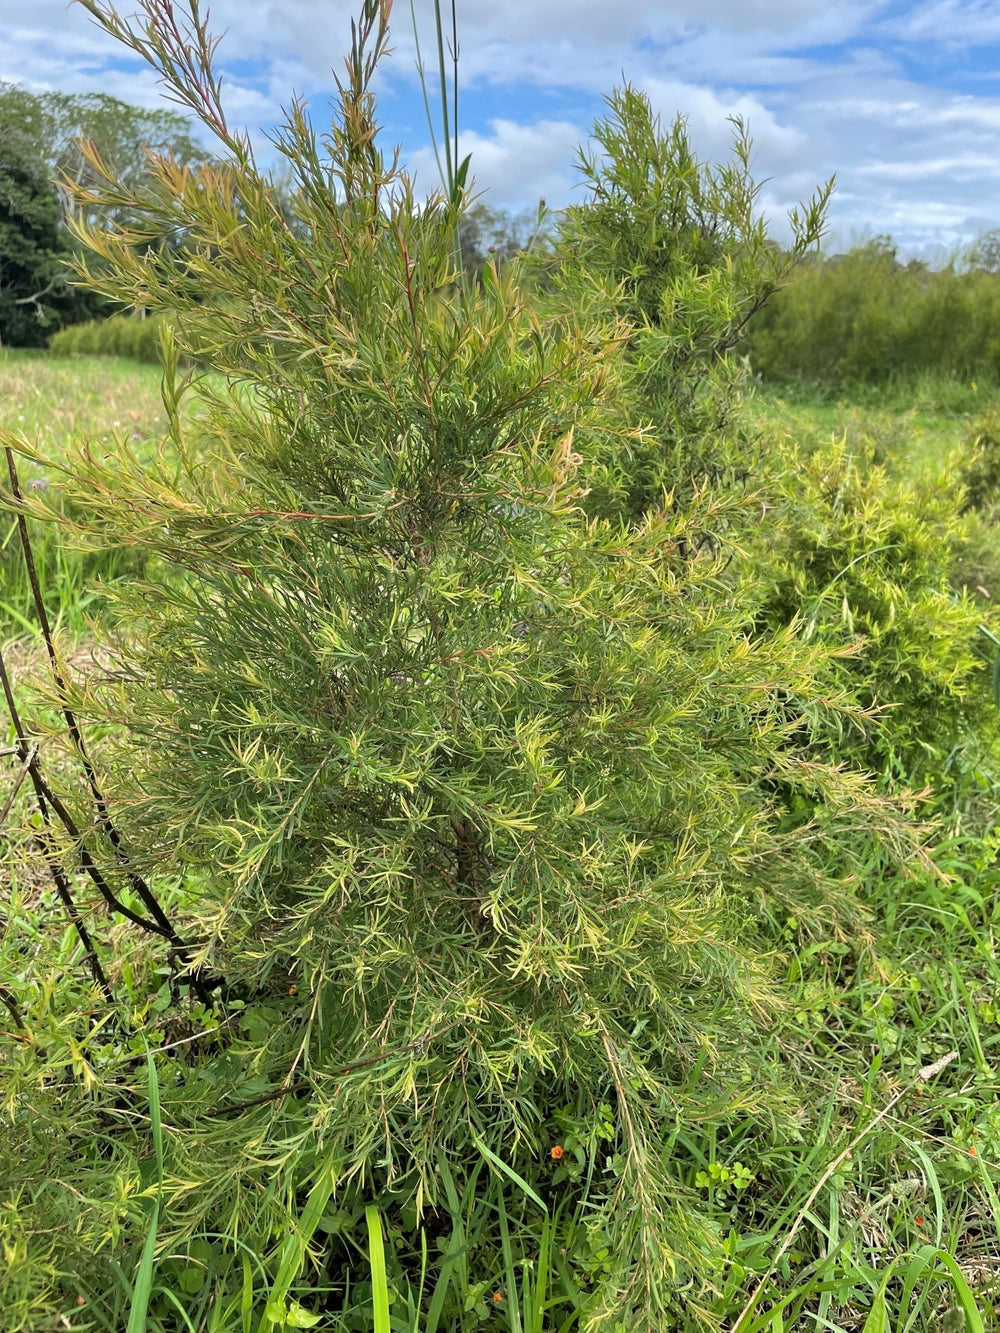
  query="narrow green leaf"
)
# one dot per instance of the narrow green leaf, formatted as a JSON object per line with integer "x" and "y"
{"x": 878, "y": 1316}
{"x": 376, "y": 1258}
{"x": 966, "y": 1299}
{"x": 139, "y": 1309}
{"x": 510, "y": 1173}
{"x": 143, "y": 1286}
{"x": 294, "y": 1249}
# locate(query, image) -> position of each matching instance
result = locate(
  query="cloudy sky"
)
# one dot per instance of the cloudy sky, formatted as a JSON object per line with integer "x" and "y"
{"x": 899, "y": 98}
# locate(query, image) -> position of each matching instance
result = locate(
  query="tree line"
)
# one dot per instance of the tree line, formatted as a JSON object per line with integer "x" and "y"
{"x": 42, "y": 157}
{"x": 868, "y": 317}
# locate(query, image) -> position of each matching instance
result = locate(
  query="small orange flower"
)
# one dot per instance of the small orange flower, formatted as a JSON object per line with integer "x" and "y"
{"x": 919, "y": 1221}
{"x": 556, "y": 1152}
{"x": 972, "y": 1151}
{"x": 498, "y": 1298}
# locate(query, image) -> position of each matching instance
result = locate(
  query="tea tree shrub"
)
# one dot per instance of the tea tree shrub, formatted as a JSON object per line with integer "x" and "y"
{"x": 470, "y": 789}
{"x": 676, "y": 250}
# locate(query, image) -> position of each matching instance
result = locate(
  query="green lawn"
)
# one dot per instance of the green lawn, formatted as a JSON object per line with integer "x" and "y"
{"x": 910, "y": 431}
{"x": 54, "y": 399}
{"x": 51, "y": 402}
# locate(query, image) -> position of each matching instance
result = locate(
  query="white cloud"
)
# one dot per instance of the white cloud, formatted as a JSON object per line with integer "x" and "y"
{"x": 514, "y": 164}
{"x": 964, "y": 166}
{"x": 973, "y": 113}
{"x": 957, "y": 23}
{"x": 819, "y": 81}
{"x": 708, "y": 112}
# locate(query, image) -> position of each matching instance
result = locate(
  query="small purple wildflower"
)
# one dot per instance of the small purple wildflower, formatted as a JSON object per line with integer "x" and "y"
{"x": 136, "y": 435}
{"x": 38, "y": 484}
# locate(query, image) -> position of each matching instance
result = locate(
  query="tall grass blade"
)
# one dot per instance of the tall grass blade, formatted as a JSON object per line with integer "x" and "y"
{"x": 510, "y": 1173}
{"x": 141, "y": 1291}
{"x": 376, "y": 1258}
{"x": 541, "y": 1280}
{"x": 878, "y": 1316}
{"x": 973, "y": 1319}
{"x": 922, "y": 1266}
{"x": 294, "y": 1250}
{"x": 510, "y": 1274}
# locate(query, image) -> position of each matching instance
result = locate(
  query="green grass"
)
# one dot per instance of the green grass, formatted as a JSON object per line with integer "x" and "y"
{"x": 52, "y": 401}
{"x": 913, "y": 427}
{"x": 57, "y": 399}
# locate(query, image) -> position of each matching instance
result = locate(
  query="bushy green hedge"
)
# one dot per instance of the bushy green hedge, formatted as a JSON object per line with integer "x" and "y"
{"x": 862, "y": 561}
{"x": 976, "y": 566}
{"x": 121, "y": 335}
{"x": 865, "y": 318}
{"x": 980, "y": 470}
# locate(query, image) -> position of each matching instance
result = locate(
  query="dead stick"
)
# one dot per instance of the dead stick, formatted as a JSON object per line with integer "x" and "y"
{"x": 8, "y": 999}
{"x": 59, "y": 877}
{"x": 22, "y": 773}
{"x": 163, "y": 926}
{"x": 140, "y": 886}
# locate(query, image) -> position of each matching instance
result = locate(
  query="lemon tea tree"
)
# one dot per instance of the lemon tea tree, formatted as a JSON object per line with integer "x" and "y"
{"x": 470, "y": 791}
{"x": 677, "y": 249}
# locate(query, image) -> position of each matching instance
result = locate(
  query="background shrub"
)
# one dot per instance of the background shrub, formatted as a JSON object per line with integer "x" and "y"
{"x": 121, "y": 335}
{"x": 864, "y": 561}
{"x": 668, "y": 254}
{"x": 979, "y": 469}
{"x": 865, "y": 318}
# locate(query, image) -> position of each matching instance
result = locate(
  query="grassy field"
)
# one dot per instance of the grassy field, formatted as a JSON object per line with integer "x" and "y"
{"x": 893, "y": 1229}
{"x": 913, "y": 429}
{"x": 51, "y": 401}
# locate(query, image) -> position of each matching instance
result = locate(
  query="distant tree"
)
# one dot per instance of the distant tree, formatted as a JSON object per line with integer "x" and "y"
{"x": 486, "y": 233}
{"x": 53, "y": 144}
{"x": 984, "y": 255}
{"x": 35, "y": 297}
{"x": 122, "y": 136}
{"x": 866, "y": 317}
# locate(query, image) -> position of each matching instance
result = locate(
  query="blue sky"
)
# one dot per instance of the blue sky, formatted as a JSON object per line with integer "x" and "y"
{"x": 900, "y": 99}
